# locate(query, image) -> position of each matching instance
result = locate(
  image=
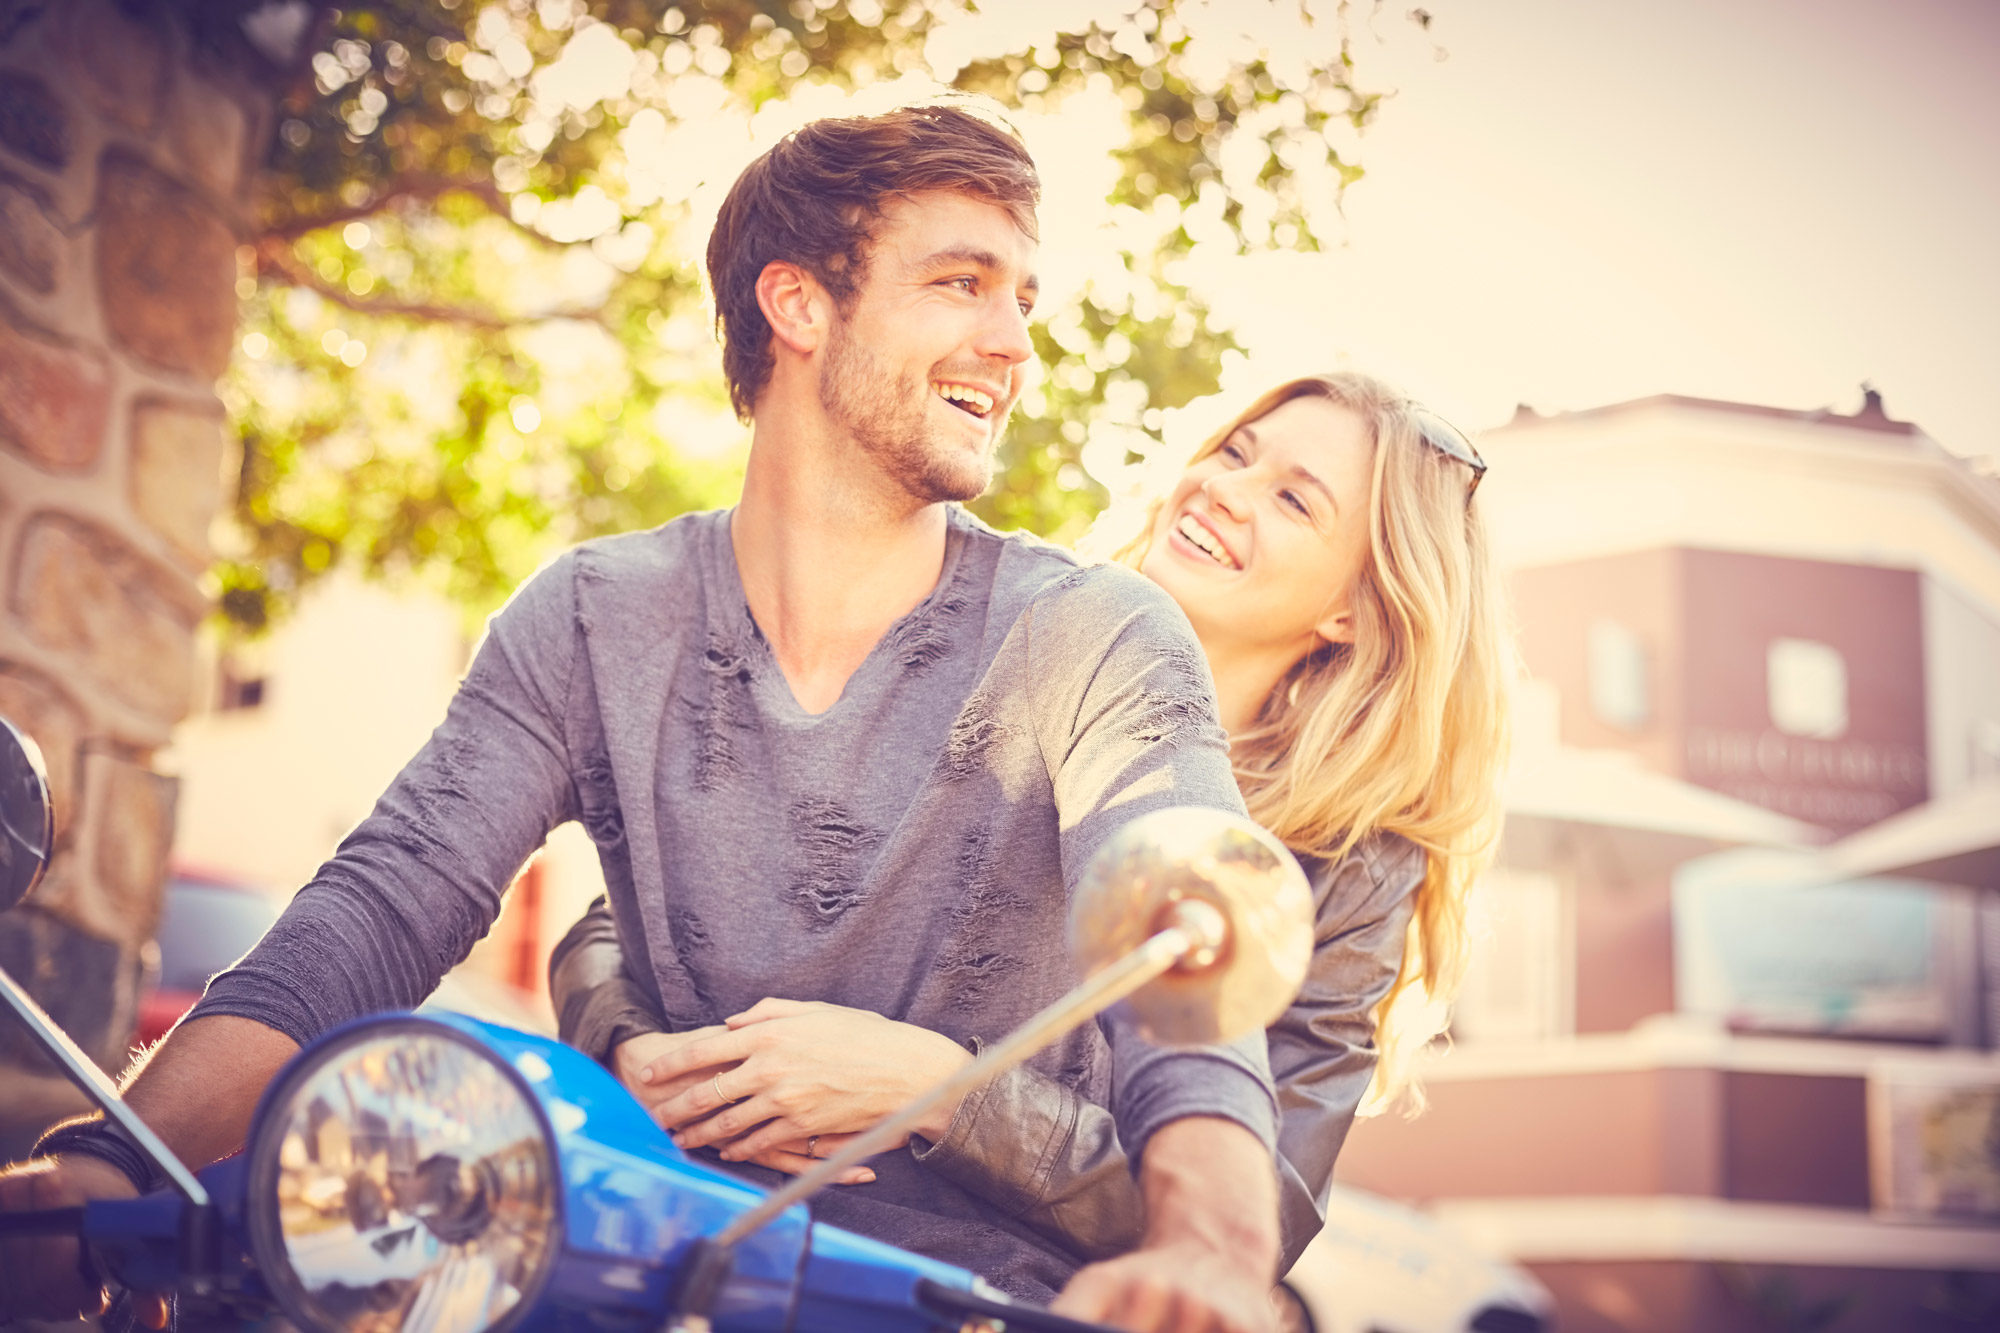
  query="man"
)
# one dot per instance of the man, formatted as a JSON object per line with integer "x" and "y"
{"x": 841, "y": 743}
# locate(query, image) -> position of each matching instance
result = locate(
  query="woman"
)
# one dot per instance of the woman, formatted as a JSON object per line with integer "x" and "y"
{"x": 1326, "y": 547}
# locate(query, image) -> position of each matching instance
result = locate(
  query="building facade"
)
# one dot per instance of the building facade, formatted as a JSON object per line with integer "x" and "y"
{"x": 1698, "y": 1079}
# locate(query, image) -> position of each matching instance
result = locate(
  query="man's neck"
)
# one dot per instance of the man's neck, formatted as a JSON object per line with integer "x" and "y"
{"x": 830, "y": 558}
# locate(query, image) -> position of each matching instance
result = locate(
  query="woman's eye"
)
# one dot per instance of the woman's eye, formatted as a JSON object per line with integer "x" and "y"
{"x": 1297, "y": 501}
{"x": 1231, "y": 452}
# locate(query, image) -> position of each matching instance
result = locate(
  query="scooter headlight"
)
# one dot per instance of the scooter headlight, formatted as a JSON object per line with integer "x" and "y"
{"x": 403, "y": 1178}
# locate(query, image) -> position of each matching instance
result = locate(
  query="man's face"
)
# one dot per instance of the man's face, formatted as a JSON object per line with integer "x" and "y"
{"x": 927, "y": 359}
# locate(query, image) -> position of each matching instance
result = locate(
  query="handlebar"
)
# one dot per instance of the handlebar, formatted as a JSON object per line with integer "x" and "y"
{"x": 42, "y": 1222}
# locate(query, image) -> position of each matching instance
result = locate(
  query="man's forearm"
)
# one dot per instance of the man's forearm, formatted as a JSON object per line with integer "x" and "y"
{"x": 1211, "y": 1248}
{"x": 200, "y": 1086}
{"x": 1209, "y": 1182}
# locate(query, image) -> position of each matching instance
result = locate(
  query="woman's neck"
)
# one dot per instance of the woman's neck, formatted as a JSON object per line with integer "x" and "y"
{"x": 1244, "y": 680}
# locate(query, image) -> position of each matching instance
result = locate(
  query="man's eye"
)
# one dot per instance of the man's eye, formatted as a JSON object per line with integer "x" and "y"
{"x": 962, "y": 284}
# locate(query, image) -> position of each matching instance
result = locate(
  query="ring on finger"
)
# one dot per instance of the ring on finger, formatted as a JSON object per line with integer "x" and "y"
{"x": 715, "y": 1081}
{"x": 812, "y": 1146}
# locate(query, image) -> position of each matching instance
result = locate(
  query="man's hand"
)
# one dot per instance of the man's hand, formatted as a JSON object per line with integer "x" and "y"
{"x": 41, "y": 1276}
{"x": 798, "y": 1069}
{"x": 197, "y": 1094}
{"x": 1211, "y": 1248}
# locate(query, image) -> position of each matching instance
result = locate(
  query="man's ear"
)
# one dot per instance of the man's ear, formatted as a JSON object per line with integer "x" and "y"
{"x": 796, "y": 307}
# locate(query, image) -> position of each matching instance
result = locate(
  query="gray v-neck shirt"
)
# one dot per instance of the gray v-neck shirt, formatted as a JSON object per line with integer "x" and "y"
{"x": 907, "y": 851}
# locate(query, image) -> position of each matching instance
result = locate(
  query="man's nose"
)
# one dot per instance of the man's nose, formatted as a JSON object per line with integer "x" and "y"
{"x": 1005, "y": 334}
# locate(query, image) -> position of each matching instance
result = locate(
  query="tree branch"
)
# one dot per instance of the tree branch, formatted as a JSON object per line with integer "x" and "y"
{"x": 275, "y": 260}
{"x": 411, "y": 186}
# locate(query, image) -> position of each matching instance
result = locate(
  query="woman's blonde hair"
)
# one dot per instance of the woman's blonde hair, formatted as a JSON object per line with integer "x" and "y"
{"x": 1405, "y": 728}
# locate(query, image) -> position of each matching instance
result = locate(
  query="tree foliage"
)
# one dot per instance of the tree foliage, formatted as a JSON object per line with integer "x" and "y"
{"x": 474, "y": 327}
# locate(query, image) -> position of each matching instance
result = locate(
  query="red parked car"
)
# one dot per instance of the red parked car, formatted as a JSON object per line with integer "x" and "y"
{"x": 208, "y": 921}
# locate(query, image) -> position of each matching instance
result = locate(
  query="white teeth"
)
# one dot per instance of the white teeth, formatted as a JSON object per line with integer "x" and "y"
{"x": 979, "y": 401}
{"x": 1205, "y": 541}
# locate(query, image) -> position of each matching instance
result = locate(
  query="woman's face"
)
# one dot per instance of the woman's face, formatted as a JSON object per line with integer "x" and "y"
{"x": 1262, "y": 541}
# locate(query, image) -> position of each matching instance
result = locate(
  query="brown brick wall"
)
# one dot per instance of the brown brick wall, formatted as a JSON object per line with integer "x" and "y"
{"x": 125, "y": 166}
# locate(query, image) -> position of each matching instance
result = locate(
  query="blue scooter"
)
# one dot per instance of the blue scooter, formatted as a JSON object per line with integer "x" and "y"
{"x": 437, "y": 1174}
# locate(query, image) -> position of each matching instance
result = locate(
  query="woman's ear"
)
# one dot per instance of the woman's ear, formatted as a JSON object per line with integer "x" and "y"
{"x": 1337, "y": 625}
{"x": 796, "y": 307}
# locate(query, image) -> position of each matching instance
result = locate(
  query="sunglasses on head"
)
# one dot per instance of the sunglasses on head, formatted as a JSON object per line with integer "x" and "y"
{"x": 1450, "y": 441}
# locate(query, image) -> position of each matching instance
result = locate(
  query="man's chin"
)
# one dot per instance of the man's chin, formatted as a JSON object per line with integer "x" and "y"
{"x": 948, "y": 481}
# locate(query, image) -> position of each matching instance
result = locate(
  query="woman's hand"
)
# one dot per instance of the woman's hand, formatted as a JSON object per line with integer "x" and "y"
{"x": 631, "y": 1061}
{"x": 795, "y": 1069}
{"x": 631, "y": 1058}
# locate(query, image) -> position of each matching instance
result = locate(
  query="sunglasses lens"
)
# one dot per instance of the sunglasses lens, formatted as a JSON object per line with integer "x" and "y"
{"x": 1446, "y": 438}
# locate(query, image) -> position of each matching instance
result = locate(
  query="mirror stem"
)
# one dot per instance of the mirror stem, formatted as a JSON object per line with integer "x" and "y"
{"x": 85, "y": 1074}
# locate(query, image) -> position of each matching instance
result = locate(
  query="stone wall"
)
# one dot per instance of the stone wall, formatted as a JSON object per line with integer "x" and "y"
{"x": 126, "y": 160}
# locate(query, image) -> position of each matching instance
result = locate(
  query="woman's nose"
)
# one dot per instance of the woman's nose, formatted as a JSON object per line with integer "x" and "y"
{"x": 1225, "y": 491}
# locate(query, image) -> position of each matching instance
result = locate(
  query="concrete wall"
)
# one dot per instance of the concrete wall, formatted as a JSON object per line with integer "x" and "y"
{"x": 125, "y": 165}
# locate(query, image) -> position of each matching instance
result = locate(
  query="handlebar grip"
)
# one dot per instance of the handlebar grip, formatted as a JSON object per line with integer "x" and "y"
{"x": 42, "y": 1222}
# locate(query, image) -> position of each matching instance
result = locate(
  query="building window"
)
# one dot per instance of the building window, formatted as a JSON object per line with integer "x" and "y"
{"x": 1519, "y": 979}
{"x": 1807, "y": 685}
{"x": 1761, "y": 944}
{"x": 1618, "y": 676}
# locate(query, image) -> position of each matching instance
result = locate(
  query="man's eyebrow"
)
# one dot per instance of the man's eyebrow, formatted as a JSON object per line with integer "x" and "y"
{"x": 975, "y": 257}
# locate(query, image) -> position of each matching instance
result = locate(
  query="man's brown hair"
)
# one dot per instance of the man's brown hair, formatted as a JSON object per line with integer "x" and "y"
{"x": 814, "y": 199}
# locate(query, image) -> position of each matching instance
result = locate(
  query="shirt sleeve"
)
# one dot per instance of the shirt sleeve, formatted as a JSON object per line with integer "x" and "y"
{"x": 418, "y": 881}
{"x": 1323, "y": 1052}
{"x": 1125, "y": 718}
{"x": 597, "y": 1004}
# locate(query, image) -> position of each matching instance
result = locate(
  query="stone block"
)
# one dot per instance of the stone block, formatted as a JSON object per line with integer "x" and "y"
{"x": 31, "y": 245}
{"x": 130, "y": 831}
{"x": 55, "y": 397}
{"x": 33, "y": 702}
{"x": 33, "y": 124}
{"x": 166, "y": 270}
{"x": 176, "y": 474}
{"x": 211, "y": 132}
{"x": 119, "y": 63}
{"x": 81, "y": 591}
{"x": 76, "y": 978}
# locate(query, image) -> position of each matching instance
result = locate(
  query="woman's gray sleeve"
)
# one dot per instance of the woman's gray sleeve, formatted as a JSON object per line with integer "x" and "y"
{"x": 597, "y": 1005}
{"x": 1323, "y": 1052}
{"x": 1046, "y": 1157}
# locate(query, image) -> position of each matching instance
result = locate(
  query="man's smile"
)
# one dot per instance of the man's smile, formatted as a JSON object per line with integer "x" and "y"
{"x": 967, "y": 398}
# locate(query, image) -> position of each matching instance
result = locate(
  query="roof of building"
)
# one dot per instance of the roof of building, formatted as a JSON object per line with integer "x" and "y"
{"x": 1872, "y": 416}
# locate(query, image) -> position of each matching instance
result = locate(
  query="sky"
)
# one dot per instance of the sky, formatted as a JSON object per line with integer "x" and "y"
{"x": 1575, "y": 202}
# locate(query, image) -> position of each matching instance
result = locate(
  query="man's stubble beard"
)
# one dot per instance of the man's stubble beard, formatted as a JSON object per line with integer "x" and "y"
{"x": 888, "y": 421}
